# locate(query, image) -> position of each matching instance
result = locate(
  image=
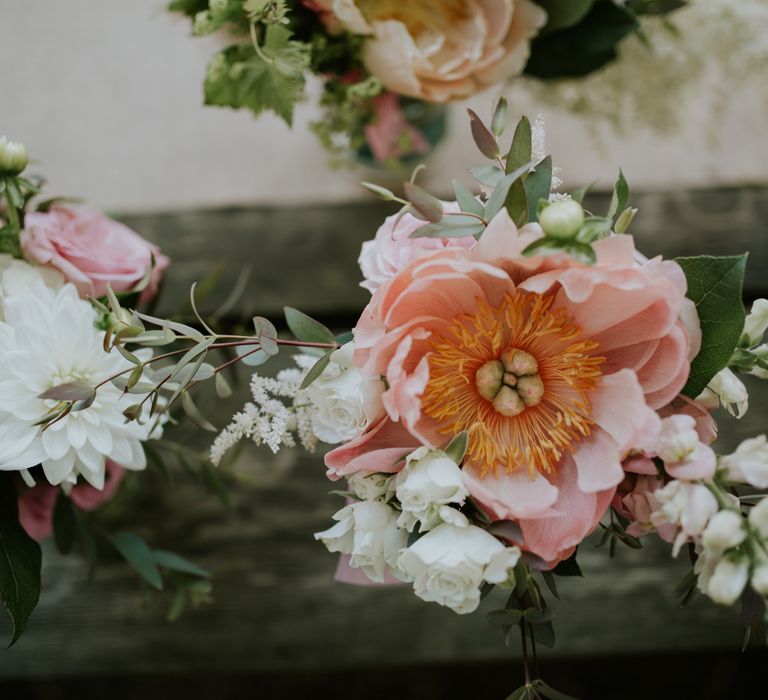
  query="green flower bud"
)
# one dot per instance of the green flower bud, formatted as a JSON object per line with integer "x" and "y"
{"x": 563, "y": 219}
{"x": 13, "y": 157}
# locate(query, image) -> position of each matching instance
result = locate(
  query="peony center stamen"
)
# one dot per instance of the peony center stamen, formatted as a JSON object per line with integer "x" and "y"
{"x": 517, "y": 377}
{"x": 511, "y": 383}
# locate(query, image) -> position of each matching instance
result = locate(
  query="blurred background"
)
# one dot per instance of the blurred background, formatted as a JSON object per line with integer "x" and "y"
{"x": 107, "y": 96}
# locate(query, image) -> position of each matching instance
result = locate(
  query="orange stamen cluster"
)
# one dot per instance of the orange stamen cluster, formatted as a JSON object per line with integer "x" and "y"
{"x": 537, "y": 437}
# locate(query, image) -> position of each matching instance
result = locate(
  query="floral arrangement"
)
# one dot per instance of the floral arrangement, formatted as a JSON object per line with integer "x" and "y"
{"x": 387, "y": 66}
{"x": 521, "y": 377}
{"x": 64, "y": 450}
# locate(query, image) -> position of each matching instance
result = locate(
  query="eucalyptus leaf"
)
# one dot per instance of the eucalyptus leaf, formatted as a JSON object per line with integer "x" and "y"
{"x": 379, "y": 191}
{"x": 306, "y": 328}
{"x": 425, "y": 205}
{"x": 500, "y": 117}
{"x": 138, "y": 554}
{"x": 715, "y": 286}
{"x": 180, "y": 328}
{"x": 549, "y": 692}
{"x": 521, "y": 149}
{"x": 191, "y": 409}
{"x": 174, "y": 562}
{"x": 448, "y": 230}
{"x": 467, "y": 201}
{"x": 500, "y": 192}
{"x": 78, "y": 390}
{"x": 488, "y": 175}
{"x": 484, "y": 139}
{"x": 619, "y": 197}
{"x": 516, "y": 203}
{"x": 538, "y": 185}
{"x": 266, "y": 334}
{"x": 316, "y": 370}
{"x": 251, "y": 356}
{"x": 223, "y": 389}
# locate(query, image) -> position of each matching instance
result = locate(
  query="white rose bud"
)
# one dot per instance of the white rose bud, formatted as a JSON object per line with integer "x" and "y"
{"x": 731, "y": 392}
{"x": 756, "y": 322}
{"x": 368, "y": 532}
{"x": 724, "y": 530}
{"x": 369, "y": 487}
{"x": 728, "y": 580}
{"x": 13, "y": 157}
{"x": 758, "y": 517}
{"x": 449, "y": 564}
{"x": 677, "y": 439}
{"x": 749, "y": 463}
{"x": 430, "y": 479}
{"x": 337, "y": 398}
{"x": 686, "y": 506}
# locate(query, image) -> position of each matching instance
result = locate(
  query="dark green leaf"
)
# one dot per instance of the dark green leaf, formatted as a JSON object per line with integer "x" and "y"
{"x": 516, "y": 203}
{"x": 538, "y": 185}
{"x": 499, "y": 196}
{"x": 549, "y": 579}
{"x": 543, "y": 634}
{"x": 214, "y": 482}
{"x": 20, "y": 561}
{"x": 619, "y": 197}
{"x": 521, "y": 148}
{"x": 504, "y": 616}
{"x": 568, "y": 567}
{"x": 306, "y": 328}
{"x": 174, "y": 562}
{"x": 564, "y": 13}
{"x": 484, "y": 139}
{"x": 550, "y": 693}
{"x": 64, "y": 524}
{"x": 138, "y": 554}
{"x": 714, "y": 285}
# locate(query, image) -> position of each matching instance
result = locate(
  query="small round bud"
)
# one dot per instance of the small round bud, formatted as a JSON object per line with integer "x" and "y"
{"x": 531, "y": 389}
{"x": 519, "y": 362}
{"x": 508, "y": 402}
{"x": 489, "y": 379}
{"x": 562, "y": 219}
{"x": 13, "y": 157}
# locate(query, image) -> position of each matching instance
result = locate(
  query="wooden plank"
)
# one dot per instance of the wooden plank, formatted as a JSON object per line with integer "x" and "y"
{"x": 306, "y": 256}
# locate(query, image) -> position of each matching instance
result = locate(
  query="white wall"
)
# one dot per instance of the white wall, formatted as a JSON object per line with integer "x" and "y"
{"x": 107, "y": 96}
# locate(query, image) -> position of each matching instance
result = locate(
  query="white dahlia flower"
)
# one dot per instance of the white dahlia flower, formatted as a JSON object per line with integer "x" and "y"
{"x": 47, "y": 338}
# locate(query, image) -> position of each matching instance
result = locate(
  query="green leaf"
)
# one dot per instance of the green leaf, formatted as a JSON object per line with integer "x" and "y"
{"x": 457, "y": 447}
{"x": 270, "y": 80}
{"x": 192, "y": 411}
{"x": 538, "y": 185}
{"x": 516, "y": 203}
{"x": 78, "y": 390}
{"x": 20, "y": 562}
{"x": 544, "y": 634}
{"x": 267, "y": 335}
{"x": 499, "y": 196}
{"x": 316, "y": 370}
{"x": 306, "y": 328}
{"x": 504, "y": 616}
{"x": 484, "y": 139}
{"x": 449, "y": 230}
{"x": 64, "y": 524}
{"x": 467, "y": 201}
{"x": 715, "y": 286}
{"x": 499, "y": 120}
{"x": 549, "y": 579}
{"x": 379, "y": 191}
{"x": 138, "y": 554}
{"x": 619, "y": 197}
{"x": 521, "y": 148}
{"x": 568, "y": 567}
{"x": 582, "y": 192}
{"x": 174, "y": 562}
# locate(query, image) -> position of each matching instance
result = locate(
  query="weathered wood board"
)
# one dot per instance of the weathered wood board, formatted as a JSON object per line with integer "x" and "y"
{"x": 276, "y": 605}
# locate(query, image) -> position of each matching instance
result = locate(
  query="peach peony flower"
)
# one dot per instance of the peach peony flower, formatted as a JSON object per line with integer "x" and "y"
{"x": 91, "y": 250}
{"x": 36, "y": 504}
{"x": 554, "y": 369}
{"x": 438, "y": 50}
{"x": 392, "y": 249}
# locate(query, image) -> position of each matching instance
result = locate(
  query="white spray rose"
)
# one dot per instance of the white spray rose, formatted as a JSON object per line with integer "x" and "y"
{"x": 757, "y": 321}
{"x": 337, "y": 398}
{"x": 728, "y": 579}
{"x": 685, "y": 505}
{"x": 368, "y": 532}
{"x": 450, "y": 563}
{"x": 749, "y": 463}
{"x": 724, "y": 530}
{"x": 758, "y": 517}
{"x": 760, "y": 577}
{"x": 429, "y": 480}
{"x": 370, "y": 487}
{"x": 677, "y": 438}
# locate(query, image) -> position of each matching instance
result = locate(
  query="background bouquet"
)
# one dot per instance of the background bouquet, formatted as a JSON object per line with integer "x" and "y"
{"x": 386, "y": 67}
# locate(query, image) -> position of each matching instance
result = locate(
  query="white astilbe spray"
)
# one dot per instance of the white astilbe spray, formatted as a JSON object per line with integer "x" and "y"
{"x": 280, "y": 414}
{"x": 539, "y": 152}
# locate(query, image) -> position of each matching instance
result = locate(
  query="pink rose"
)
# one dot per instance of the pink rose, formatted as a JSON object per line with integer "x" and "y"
{"x": 554, "y": 368}
{"x": 390, "y": 135}
{"x": 392, "y": 249}
{"x": 634, "y": 500}
{"x": 36, "y": 504}
{"x": 91, "y": 250}
{"x": 443, "y": 50}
